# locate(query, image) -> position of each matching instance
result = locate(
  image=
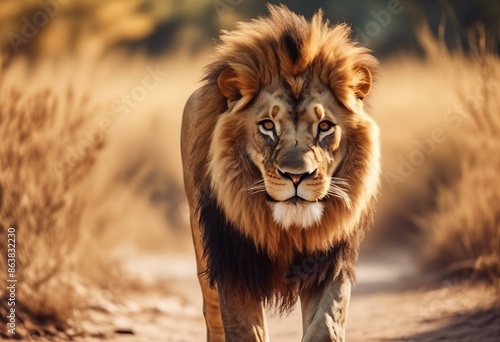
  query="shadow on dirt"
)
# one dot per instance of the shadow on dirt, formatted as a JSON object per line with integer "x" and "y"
{"x": 478, "y": 325}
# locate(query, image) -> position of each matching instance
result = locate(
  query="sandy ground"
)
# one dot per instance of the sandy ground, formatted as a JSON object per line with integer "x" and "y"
{"x": 389, "y": 303}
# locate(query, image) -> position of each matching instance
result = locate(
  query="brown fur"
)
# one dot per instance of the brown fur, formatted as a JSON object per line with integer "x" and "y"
{"x": 309, "y": 58}
{"x": 256, "y": 52}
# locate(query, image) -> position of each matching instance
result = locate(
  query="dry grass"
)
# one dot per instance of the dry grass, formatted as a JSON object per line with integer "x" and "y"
{"x": 75, "y": 215}
{"x": 40, "y": 198}
{"x": 446, "y": 209}
{"x": 462, "y": 233}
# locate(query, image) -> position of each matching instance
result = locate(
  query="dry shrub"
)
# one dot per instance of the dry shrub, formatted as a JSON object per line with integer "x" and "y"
{"x": 446, "y": 211}
{"x": 462, "y": 234}
{"x": 39, "y": 197}
{"x": 414, "y": 98}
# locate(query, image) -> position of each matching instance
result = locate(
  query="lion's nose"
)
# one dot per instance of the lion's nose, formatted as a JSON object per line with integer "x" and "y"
{"x": 296, "y": 177}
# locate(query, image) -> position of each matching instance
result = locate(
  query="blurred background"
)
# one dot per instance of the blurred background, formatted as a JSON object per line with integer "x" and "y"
{"x": 91, "y": 98}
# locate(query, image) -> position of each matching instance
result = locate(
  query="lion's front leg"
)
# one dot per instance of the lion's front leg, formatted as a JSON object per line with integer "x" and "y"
{"x": 324, "y": 312}
{"x": 211, "y": 310}
{"x": 243, "y": 317}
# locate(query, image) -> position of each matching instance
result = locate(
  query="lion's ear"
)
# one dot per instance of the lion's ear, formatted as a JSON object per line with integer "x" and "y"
{"x": 228, "y": 85}
{"x": 364, "y": 83}
{"x": 352, "y": 92}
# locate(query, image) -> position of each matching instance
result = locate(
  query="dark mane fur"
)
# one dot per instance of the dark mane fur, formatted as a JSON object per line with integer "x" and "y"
{"x": 236, "y": 260}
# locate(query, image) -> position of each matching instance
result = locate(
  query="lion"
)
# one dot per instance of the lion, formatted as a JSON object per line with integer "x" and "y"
{"x": 281, "y": 170}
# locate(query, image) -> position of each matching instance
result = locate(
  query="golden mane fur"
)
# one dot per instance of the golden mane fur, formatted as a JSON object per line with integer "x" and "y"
{"x": 286, "y": 47}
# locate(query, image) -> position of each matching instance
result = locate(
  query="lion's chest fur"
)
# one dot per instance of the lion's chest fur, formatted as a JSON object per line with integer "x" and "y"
{"x": 277, "y": 279}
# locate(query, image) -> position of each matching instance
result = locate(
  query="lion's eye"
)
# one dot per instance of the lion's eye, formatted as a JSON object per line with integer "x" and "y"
{"x": 325, "y": 126}
{"x": 268, "y": 125}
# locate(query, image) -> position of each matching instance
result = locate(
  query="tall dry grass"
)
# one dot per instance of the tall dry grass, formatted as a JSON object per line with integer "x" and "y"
{"x": 462, "y": 233}
{"x": 446, "y": 209}
{"x": 40, "y": 199}
{"x": 83, "y": 225}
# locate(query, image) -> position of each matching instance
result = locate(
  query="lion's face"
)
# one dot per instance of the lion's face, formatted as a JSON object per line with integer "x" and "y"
{"x": 291, "y": 146}
{"x": 296, "y": 146}
{"x": 296, "y": 143}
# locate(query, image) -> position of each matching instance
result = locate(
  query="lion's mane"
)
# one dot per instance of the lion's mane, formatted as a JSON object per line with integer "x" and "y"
{"x": 242, "y": 243}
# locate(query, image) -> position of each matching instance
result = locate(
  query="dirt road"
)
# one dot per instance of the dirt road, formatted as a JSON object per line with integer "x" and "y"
{"x": 389, "y": 303}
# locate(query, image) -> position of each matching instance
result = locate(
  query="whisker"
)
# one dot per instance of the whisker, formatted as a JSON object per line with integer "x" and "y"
{"x": 256, "y": 191}
{"x": 339, "y": 181}
{"x": 256, "y": 187}
{"x": 339, "y": 188}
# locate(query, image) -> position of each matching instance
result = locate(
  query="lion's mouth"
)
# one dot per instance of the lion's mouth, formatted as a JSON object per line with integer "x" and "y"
{"x": 296, "y": 200}
{"x": 292, "y": 200}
